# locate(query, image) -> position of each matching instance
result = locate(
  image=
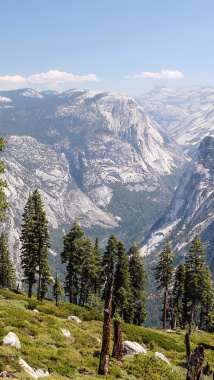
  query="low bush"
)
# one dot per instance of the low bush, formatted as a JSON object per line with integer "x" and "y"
{"x": 141, "y": 334}
{"x": 149, "y": 368}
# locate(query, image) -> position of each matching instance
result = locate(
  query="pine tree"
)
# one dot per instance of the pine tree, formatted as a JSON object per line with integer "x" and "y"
{"x": 86, "y": 270}
{"x": 195, "y": 268}
{"x": 29, "y": 246}
{"x": 7, "y": 269}
{"x": 178, "y": 292}
{"x": 138, "y": 284}
{"x": 57, "y": 289}
{"x": 71, "y": 255}
{"x": 96, "y": 281}
{"x": 42, "y": 238}
{"x": 207, "y": 300}
{"x": 3, "y": 204}
{"x": 164, "y": 275}
{"x": 122, "y": 286}
{"x": 110, "y": 254}
{"x": 35, "y": 244}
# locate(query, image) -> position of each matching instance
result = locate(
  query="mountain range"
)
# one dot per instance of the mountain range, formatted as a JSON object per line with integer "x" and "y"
{"x": 111, "y": 160}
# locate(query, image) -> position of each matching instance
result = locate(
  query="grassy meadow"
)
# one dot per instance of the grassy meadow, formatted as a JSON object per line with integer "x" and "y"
{"x": 44, "y": 346}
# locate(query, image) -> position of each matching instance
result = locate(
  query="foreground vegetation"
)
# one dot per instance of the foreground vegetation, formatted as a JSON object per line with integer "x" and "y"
{"x": 44, "y": 346}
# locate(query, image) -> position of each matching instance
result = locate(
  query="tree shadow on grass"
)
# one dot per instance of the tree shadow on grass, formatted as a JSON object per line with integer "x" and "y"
{"x": 207, "y": 346}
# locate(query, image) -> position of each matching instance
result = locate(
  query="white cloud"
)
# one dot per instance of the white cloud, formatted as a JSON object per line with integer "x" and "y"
{"x": 53, "y": 77}
{"x": 164, "y": 74}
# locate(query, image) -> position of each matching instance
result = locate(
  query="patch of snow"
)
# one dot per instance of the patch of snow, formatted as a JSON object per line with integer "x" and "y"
{"x": 3, "y": 99}
{"x": 32, "y": 94}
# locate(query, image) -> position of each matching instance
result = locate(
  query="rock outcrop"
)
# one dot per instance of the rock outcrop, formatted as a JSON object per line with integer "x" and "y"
{"x": 12, "y": 339}
{"x": 132, "y": 348}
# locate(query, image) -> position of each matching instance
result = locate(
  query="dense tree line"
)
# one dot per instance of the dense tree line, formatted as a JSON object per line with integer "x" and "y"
{"x": 188, "y": 289}
{"x": 85, "y": 273}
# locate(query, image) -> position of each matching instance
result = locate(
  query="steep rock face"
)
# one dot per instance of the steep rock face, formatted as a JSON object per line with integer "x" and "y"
{"x": 187, "y": 114}
{"x": 191, "y": 210}
{"x": 120, "y": 140}
{"x": 29, "y": 165}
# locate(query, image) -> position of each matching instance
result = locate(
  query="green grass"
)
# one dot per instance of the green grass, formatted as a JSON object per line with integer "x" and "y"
{"x": 44, "y": 346}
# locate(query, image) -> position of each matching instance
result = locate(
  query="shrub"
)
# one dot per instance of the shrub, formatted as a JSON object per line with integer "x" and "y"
{"x": 149, "y": 368}
{"x": 141, "y": 334}
{"x": 14, "y": 304}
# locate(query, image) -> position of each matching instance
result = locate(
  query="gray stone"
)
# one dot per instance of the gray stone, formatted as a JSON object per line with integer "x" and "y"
{"x": 169, "y": 331}
{"x": 12, "y": 339}
{"x": 34, "y": 373}
{"x": 74, "y": 318}
{"x": 66, "y": 332}
{"x": 132, "y": 348}
{"x": 35, "y": 311}
{"x": 160, "y": 356}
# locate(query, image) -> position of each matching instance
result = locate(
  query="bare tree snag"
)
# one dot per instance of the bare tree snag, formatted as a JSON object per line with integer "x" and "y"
{"x": 188, "y": 351}
{"x": 195, "y": 364}
{"x": 104, "y": 355}
{"x": 117, "y": 348}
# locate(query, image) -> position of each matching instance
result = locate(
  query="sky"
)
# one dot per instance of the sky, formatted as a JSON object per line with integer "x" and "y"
{"x": 127, "y": 46}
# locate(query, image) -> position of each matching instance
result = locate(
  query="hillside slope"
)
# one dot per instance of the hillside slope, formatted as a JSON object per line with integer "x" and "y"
{"x": 44, "y": 346}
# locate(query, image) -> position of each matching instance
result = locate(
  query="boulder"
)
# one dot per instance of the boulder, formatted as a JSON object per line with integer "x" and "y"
{"x": 41, "y": 373}
{"x": 34, "y": 373}
{"x": 132, "y": 348}
{"x": 12, "y": 339}
{"x": 73, "y": 318}
{"x": 66, "y": 332}
{"x": 169, "y": 331}
{"x": 160, "y": 356}
{"x": 35, "y": 311}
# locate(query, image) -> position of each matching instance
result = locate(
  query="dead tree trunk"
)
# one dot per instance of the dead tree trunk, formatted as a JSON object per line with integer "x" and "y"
{"x": 195, "y": 364}
{"x": 188, "y": 351}
{"x": 104, "y": 355}
{"x": 117, "y": 348}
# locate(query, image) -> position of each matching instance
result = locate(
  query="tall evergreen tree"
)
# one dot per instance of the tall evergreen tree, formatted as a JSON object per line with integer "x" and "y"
{"x": 7, "y": 269}
{"x": 57, "y": 289}
{"x": 86, "y": 270}
{"x": 3, "y": 204}
{"x": 71, "y": 255}
{"x": 42, "y": 239}
{"x": 96, "y": 281}
{"x": 29, "y": 244}
{"x": 207, "y": 300}
{"x": 164, "y": 275}
{"x": 35, "y": 244}
{"x": 122, "y": 285}
{"x": 178, "y": 292}
{"x": 138, "y": 284}
{"x": 195, "y": 268}
{"x": 110, "y": 254}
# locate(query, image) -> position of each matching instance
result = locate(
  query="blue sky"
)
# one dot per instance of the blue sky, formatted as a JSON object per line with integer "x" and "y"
{"x": 122, "y": 45}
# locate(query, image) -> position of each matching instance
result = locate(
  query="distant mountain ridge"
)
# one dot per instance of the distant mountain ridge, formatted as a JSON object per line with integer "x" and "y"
{"x": 191, "y": 210}
{"x": 186, "y": 114}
